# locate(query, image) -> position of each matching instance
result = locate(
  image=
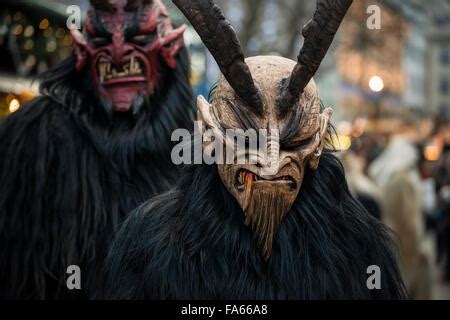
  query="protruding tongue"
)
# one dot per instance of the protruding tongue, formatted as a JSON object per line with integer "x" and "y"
{"x": 248, "y": 190}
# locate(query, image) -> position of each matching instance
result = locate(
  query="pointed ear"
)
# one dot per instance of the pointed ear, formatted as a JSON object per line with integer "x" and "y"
{"x": 204, "y": 113}
{"x": 209, "y": 127}
{"x": 324, "y": 119}
{"x": 172, "y": 44}
{"x": 80, "y": 47}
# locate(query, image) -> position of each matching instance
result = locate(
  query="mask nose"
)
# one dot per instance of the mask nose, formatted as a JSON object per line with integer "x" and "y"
{"x": 120, "y": 48}
{"x": 270, "y": 168}
{"x": 269, "y": 164}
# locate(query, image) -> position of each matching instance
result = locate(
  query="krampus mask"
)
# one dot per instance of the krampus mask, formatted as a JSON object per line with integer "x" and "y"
{"x": 273, "y": 94}
{"x": 125, "y": 45}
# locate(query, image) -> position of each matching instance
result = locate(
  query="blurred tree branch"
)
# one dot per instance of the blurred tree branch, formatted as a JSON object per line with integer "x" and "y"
{"x": 288, "y": 16}
{"x": 294, "y": 15}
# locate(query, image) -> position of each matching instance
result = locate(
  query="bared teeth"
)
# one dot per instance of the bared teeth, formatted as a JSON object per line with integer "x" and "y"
{"x": 135, "y": 67}
{"x": 107, "y": 72}
{"x": 241, "y": 178}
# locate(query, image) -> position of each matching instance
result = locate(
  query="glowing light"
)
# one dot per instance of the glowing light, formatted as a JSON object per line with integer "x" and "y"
{"x": 28, "y": 95}
{"x": 345, "y": 142}
{"x": 358, "y": 132}
{"x": 29, "y": 44}
{"x": 376, "y": 84}
{"x": 51, "y": 46}
{"x": 29, "y": 31}
{"x": 18, "y": 29}
{"x": 432, "y": 153}
{"x": 48, "y": 32}
{"x": 359, "y": 127}
{"x": 67, "y": 41}
{"x": 341, "y": 142}
{"x": 14, "y": 105}
{"x": 344, "y": 127}
{"x": 44, "y": 24}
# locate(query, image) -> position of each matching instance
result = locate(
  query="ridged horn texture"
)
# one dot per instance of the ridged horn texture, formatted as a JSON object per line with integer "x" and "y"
{"x": 220, "y": 38}
{"x": 319, "y": 34}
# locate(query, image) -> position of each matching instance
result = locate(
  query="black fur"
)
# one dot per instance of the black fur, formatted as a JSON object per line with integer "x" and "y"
{"x": 191, "y": 243}
{"x": 71, "y": 170}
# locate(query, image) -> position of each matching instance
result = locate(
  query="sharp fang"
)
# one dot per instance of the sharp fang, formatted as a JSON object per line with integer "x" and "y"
{"x": 102, "y": 72}
{"x": 126, "y": 69}
{"x": 133, "y": 67}
{"x": 241, "y": 177}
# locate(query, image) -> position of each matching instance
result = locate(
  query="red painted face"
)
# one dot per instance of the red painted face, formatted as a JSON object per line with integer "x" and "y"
{"x": 125, "y": 46}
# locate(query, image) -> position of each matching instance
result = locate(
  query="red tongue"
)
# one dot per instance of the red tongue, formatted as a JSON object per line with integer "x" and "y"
{"x": 248, "y": 189}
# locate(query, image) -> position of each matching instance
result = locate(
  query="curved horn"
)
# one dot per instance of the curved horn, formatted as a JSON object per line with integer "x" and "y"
{"x": 220, "y": 38}
{"x": 319, "y": 34}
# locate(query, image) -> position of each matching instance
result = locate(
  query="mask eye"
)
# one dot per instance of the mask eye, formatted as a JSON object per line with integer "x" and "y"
{"x": 142, "y": 39}
{"x": 100, "y": 41}
{"x": 295, "y": 145}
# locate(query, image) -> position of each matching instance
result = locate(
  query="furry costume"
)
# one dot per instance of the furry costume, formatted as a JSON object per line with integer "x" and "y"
{"x": 75, "y": 161}
{"x": 242, "y": 231}
{"x": 192, "y": 243}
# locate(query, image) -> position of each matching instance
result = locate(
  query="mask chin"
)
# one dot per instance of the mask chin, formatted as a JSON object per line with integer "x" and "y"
{"x": 123, "y": 98}
{"x": 135, "y": 106}
{"x": 265, "y": 212}
{"x": 265, "y": 200}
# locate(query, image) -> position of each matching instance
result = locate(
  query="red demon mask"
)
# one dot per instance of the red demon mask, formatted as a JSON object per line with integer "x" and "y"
{"x": 125, "y": 45}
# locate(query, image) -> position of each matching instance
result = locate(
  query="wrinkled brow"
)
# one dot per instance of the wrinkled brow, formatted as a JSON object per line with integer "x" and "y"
{"x": 244, "y": 117}
{"x": 99, "y": 28}
{"x": 297, "y": 122}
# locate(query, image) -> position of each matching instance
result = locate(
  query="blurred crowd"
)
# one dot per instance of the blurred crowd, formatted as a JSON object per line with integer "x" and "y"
{"x": 393, "y": 176}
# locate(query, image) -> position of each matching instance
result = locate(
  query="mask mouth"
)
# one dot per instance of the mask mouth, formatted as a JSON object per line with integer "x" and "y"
{"x": 112, "y": 74}
{"x": 265, "y": 200}
{"x": 245, "y": 179}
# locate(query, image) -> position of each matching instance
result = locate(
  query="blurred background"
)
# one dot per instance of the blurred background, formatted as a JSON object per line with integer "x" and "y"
{"x": 389, "y": 87}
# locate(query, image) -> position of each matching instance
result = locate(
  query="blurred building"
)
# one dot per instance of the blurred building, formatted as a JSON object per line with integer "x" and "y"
{"x": 438, "y": 71}
{"x": 33, "y": 37}
{"x": 377, "y": 73}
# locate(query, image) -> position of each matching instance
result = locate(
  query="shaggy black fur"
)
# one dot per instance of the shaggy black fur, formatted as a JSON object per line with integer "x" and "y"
{"x": 71, "y": 170}
{"x": 191, "y": 243}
